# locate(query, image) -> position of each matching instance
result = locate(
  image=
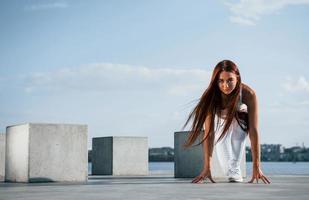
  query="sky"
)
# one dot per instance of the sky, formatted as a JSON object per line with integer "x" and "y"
{"x": 137, "y": 68}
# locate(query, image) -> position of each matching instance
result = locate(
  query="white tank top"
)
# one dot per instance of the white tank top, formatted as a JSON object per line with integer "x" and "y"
{"x": 234, "y": 128}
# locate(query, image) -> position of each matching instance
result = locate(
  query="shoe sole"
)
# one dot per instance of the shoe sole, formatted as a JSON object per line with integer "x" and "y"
{"x": 235, "y": 180}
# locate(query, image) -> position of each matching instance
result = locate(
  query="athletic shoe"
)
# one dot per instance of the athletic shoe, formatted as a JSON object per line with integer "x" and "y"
{"x": 235, "y": 176}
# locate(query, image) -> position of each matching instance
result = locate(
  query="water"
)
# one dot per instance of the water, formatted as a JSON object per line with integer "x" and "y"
{"x": 268, "y": 168}
{"x": 282, "y": 168}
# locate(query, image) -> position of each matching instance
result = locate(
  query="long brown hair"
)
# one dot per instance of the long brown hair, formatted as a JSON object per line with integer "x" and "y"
{"x": 211, "y": 104}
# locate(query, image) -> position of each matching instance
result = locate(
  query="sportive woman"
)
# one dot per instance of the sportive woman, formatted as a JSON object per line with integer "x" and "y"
{"x": 226, "y": 112}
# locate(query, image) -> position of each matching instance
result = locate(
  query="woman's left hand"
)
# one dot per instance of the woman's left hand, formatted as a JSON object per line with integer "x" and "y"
{"x": 258, "y": 174}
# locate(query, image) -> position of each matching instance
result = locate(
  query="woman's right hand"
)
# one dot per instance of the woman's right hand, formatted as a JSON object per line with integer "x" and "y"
{"x": 204, "y": 174}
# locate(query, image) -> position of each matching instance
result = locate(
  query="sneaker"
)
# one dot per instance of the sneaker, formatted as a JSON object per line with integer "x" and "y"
{"x": 235, "y": 176}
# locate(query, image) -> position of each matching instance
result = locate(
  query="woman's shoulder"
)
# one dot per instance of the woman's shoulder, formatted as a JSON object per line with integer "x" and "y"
{"x": 247, "y": 92}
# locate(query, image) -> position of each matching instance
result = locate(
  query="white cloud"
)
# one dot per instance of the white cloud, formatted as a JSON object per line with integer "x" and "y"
{"x": 242, "y": 21}
{"x": 248, "y": 12}
{"x": 106, "y": 77}
{"x": 301, "y": 84}
{"x": 47, "y": 6}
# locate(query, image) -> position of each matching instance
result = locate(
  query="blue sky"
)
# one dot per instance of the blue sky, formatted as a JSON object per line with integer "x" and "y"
{"x": 136, "y": 68}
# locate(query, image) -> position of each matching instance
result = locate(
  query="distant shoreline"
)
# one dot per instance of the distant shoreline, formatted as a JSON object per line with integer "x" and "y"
{"x": 269, "y": 153}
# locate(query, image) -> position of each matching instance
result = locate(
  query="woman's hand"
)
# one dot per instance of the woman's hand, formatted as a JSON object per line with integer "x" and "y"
{"x": 204, "y": 174}
{"x": 258, "y": 174}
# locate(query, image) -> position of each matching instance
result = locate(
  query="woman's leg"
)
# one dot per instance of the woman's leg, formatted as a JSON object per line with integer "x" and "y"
{"x": 238, "y": 141}
{"x": 224, "y": 152}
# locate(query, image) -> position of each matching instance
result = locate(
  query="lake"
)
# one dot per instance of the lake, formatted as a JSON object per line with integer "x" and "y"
{"x": 268, "y": 168}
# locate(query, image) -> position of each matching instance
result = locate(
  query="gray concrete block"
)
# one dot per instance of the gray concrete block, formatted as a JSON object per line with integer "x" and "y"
{"x": 189, "y": 162}
{"x": 39, "y": 152}
{"x": 2, "y": 156}
{"x": 120, "y": 156}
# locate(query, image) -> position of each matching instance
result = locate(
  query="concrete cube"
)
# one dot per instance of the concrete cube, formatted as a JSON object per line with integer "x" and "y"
{"x": 2, "y": 156}
{"x": 39, "y": 152}
{"x": 120, "y": 156}
{"x": 189, "y": 162}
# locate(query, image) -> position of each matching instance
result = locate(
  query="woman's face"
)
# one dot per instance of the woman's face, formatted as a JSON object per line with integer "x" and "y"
{"x": 227, "y": 82}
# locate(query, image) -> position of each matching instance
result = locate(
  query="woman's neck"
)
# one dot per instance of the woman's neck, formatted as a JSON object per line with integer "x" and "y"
{"x": 224, "y": 100}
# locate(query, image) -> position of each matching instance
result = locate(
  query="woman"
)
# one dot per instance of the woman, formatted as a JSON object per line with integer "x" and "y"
{"x": 228, "y": 112}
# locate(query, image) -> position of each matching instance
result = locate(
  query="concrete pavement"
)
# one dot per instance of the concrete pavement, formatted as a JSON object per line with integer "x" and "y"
{"x": 158, "y": 187}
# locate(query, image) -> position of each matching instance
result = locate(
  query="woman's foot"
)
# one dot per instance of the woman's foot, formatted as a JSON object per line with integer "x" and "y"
{"x": 235, "y": 176}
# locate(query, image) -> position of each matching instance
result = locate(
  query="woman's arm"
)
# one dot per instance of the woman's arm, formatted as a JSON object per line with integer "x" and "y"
{"x": 205, "y": 173}
{"x": 206, "y": 145}
{"x": 254, "y": 137}
{"x": 253, "y": 128}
